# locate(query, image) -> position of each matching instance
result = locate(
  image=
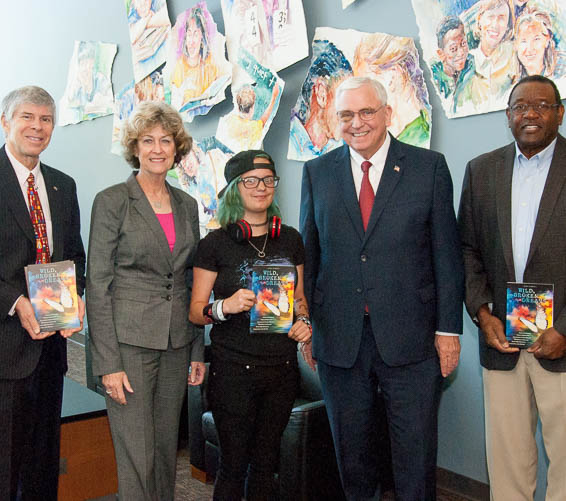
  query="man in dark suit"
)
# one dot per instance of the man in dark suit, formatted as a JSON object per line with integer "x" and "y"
{"x": 32, "y": 363}
{"x": 384, "y": 281}
{"x": 512, "y": 220}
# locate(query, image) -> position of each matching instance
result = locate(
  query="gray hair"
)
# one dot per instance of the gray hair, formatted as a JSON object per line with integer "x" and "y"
{"x": 353, "y": 83}
{"x": 30, "y": 94}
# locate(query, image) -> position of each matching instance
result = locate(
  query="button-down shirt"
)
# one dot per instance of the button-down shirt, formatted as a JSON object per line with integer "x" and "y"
{"x": 376, "y": 170}
{"x": 22, "y": 173}
{"x": 529, "y": 178}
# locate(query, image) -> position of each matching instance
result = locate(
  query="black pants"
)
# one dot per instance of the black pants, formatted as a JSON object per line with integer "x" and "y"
{"x": 30, "y": 418}
{"x": 251, "y": 406}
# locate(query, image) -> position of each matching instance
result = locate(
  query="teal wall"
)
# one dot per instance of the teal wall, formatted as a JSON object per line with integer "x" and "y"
{"x": 37, "y": 37}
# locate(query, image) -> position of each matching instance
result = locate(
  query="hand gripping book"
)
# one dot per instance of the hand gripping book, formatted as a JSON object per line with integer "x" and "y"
{"x": 529, "y": 312}
{"x": 52, "y": 290}
{"x": 274, "y": 287}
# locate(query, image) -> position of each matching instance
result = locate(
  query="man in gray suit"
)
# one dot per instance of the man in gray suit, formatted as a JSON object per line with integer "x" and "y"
{"x": 512, "y": 221}
{"x": 32, "y": 363}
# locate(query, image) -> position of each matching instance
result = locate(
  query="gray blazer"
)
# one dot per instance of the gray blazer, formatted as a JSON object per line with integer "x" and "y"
{"x": 138, "y": 291}
{"x": 485, "y": 228}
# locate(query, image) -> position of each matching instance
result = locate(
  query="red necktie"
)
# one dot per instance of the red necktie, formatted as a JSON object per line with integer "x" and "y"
{"x": 366, "y": 195}
{"x": 38, "y": 221}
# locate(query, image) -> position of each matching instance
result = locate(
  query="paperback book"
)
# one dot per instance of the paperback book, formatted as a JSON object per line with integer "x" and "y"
{"x": 52, "y": 290}
{"x": 529, "y": 312}
{"x": 274, "y": 288}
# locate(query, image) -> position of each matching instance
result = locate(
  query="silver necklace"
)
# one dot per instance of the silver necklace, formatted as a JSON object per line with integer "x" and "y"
{"x": 260, "y": 253}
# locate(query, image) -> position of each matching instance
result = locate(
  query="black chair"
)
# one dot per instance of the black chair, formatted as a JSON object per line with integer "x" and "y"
{"x": 307, "y": 464}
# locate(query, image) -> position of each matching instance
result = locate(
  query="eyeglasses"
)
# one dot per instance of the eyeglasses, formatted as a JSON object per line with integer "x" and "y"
{"x": 253, "y": 182}
{"x": 365, "y": 115}
{"x": 539, "y": 108}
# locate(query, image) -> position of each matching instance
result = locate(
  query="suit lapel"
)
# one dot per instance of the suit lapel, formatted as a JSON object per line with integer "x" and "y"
{"x": 344, "y": 177}
{"x": 56, "y": 208}
{"x": 503, "y": 181}
{"x": 11, "y": 192}
{"x": 141, "y": 204}
{"x": 392, "y": 172}
{"x": 181, "y": 219}
{"x": 552, "y": 189}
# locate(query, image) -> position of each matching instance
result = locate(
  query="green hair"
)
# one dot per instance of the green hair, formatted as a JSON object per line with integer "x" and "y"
{"x": 231, "y": 208}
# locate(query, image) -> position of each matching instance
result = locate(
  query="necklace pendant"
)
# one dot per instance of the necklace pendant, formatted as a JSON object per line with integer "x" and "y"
{"x": 261, "y": 254}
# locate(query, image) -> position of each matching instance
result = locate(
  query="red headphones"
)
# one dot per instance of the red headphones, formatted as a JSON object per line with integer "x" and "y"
{"x": 241, "y": 230}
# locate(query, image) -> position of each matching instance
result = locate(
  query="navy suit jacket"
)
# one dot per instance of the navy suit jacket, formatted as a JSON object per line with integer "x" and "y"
{"x": 407, "y": 267}
{"x": 19, "y": 354}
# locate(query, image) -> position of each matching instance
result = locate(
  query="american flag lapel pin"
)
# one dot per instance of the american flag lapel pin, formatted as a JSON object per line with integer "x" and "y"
{"x": 397, "y": 168}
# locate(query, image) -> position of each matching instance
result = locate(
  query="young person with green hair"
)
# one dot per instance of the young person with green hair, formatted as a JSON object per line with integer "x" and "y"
{"x": 253, "y": 377}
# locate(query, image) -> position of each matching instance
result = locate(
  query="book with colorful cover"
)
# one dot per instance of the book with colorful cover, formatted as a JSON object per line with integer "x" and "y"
{"x": 274, "y": 287}
{"x": 529, "y": 312}
{"x": 52, "y": 290}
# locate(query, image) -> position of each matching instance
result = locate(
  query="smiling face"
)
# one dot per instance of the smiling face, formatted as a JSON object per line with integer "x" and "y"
{"x": 493, "y": 25}
{"x": 454, "y": 52}
{"x": 531, "y": 42}
{"x": 364, "y": 137}
{"x": 28, "y": 132}
{"x": 533, "y": 131}
{"x": 256, "y": 200}
{"x": 156, "y": 150}
{"x": 193, "y": 40}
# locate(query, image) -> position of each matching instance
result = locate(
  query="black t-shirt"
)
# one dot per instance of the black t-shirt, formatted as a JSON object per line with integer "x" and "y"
{"x": 231, "y": 340}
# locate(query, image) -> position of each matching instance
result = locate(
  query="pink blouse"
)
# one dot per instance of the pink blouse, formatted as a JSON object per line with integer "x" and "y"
{"x": 168, "y": 225}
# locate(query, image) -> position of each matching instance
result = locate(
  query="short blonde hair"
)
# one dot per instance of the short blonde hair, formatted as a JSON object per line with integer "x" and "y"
{"x": 148, "y": 115}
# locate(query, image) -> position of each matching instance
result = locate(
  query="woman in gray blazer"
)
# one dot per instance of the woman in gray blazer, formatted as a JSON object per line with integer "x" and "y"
{"x": 143, "y": 236}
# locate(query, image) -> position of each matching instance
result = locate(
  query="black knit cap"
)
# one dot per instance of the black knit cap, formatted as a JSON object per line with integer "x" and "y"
{"x": 243, "y": 162}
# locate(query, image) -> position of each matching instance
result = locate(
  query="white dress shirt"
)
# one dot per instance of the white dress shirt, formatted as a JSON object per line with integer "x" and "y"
{"x": 375, "y": 172}
{"x": 22, "y": 173}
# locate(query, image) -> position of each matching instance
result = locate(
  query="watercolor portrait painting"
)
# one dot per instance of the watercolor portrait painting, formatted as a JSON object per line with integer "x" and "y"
{"x": 201, "y": 174}
{"x": 88, "y": 93}
{"x": 148, "y": 89}
{"x": 274, "y": 32}
{"x": 256, "y": 101}
{"x": 197, "y": 72}
{"x": 339, "y": 54}
{"x": 149, "y": 25}
{"x": 478, "y": 49}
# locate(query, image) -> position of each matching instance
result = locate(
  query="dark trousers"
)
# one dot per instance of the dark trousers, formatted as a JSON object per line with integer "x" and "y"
{"x": 411, "y": 394}
{"x": 30, "y": 419}
{"x": 251, "y": 406}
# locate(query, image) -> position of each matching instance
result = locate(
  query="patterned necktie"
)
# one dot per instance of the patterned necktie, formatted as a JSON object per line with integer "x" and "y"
{"x": 366, "y": 195}
{"x": 38, "y": 221}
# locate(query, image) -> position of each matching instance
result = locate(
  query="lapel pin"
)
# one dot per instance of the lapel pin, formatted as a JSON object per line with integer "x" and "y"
{"x": 55, "y": 188}
{"x": 397, "y": 168}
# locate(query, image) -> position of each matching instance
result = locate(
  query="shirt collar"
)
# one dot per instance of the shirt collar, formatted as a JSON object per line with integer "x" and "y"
{"x": 22, "y": 172}
{"x": 542, "y": 156}
{"x": 378, "y": 158}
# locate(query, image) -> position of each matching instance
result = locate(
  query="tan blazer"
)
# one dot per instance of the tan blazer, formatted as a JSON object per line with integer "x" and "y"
{"x": 138, "y": 291}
